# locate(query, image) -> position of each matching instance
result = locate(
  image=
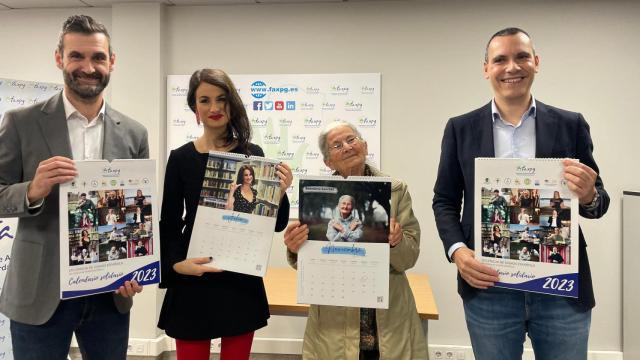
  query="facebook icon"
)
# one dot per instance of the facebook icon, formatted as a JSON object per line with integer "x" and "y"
{"x": 291, "y": 105}
{"x": 257, "y": 105}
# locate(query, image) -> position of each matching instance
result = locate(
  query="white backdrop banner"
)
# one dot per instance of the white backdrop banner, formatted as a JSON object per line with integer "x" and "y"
{"x": 14, "y": 94}
{"x": 287, "y": 112}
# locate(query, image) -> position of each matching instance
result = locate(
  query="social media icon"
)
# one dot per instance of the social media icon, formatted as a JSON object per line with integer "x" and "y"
{"x": 279, "y": 105}
{"x": 291, "y": 105}
{"x": 257, "y": 105}
{"x": 268, "y": 105}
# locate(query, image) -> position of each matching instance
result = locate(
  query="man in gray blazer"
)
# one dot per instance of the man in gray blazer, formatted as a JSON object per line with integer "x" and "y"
{"x": 37, "y": 145}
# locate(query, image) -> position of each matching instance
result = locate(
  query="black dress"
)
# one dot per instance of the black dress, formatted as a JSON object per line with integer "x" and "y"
{"x": 215, "y": 304}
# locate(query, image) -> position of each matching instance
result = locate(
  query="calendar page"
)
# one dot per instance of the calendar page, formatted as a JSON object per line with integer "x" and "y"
{"x": 526, "y": 224}
{"x": 237, "y": 213}
{"x": 346, "y": 260}
{"x": 108, "y": 235}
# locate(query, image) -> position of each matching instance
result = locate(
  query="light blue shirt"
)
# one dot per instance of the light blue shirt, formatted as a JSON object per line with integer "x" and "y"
{"x": 511, "y": 141}
{"x": 515, "y": 141}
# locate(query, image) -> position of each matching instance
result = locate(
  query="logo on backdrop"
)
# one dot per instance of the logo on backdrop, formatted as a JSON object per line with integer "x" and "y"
{"x": 4, "y": 231}
{"x": 258, "y": 123}
{"x": 285, "y": 122}
{"x": 305, "y": 106}
{"x": 339, "y": 90}
{"x": 179, "y": 91}
{"x": 312, "y": 90}
{"x": 366, "y": 90}
{"x": 352, "y": 106}
{"x": 258, "y": 89}
{"x": 364, "y": 122}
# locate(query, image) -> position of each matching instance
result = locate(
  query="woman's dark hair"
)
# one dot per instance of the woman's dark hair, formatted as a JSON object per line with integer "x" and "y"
{"x": 240, "y": 179}
{"x": 238, "y": 128}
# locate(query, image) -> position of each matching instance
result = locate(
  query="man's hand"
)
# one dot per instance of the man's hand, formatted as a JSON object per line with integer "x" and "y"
{"x": 129, "y": 289}
{"x": 55, "y": 170}
{"x": 475, "y": 273}
{"x": 395, "y": 232}
{"x": 295, "y": 236}
{"x": 581, "y": 180}
{"x": 194, "y": 266}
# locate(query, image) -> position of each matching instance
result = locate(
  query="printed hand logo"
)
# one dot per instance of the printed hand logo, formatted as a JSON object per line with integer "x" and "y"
{"x": 4, "y": 232}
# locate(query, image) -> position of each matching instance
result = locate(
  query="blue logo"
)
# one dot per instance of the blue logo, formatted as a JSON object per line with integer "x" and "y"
{"x": 258, "y": 89}
{"x": 291, "y": 105}
{"x": 268, "y": 105}
{"x": 4, "y": 232}
{"x": 257, "y": 105}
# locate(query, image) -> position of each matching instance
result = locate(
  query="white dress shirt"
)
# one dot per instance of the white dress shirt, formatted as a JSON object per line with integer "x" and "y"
{"x": 86, "y": 136}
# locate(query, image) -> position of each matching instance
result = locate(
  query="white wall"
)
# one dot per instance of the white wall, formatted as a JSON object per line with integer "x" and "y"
{"x": 430, "y": 56}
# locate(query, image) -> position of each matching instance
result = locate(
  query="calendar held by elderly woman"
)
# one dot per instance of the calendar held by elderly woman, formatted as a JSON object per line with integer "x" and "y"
{"x": 345, "y": 262}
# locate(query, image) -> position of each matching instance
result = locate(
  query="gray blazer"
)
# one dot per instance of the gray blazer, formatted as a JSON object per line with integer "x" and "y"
{"x": 31, "y": 290}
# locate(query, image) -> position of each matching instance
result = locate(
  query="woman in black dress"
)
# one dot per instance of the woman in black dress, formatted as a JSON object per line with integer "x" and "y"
{"x": 203, "y": 303}
{"x": 243, "y": 196}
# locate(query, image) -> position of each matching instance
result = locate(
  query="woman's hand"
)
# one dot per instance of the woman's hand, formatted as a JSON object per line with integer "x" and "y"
{"x": 194, "y": 266}
{"x": 295, "y": 236}
{"x": 286, "y": 177}
{"x": 395, "y": 232}
{"x": 354, "y": 224}
{"x": 336, "y": 225}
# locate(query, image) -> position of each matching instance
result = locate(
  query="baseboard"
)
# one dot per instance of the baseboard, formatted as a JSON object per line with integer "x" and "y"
{"x": 453, "y": 352}
{"x": 264, "y": 345}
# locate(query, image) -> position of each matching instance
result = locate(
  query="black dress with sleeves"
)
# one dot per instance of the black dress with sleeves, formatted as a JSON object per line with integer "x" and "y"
{"x": 215, "y": 304}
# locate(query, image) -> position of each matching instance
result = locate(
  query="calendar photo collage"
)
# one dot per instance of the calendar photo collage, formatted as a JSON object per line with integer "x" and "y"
{"x": 526, "y": 224}
{"x": 108, "y": 225}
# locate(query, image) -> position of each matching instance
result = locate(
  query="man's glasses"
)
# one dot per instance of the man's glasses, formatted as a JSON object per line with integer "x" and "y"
{"x": 338, "y": 146}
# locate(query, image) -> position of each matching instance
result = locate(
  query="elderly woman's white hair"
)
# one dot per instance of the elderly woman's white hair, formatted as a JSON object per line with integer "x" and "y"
{"x": 322, "y": 139}
{"x": 344, "y": 197}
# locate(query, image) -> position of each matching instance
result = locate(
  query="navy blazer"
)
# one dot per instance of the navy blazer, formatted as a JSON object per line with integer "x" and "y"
{"x": 559, "y": 134}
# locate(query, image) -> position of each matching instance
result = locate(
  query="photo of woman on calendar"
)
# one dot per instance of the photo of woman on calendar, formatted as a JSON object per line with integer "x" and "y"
{"x": 345, "y": 210}
{"x": 243, "y": 196}
{"x": 345, "y": 226}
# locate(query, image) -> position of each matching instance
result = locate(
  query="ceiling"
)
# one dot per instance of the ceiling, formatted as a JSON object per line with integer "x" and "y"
{"x": 50, "y": 4}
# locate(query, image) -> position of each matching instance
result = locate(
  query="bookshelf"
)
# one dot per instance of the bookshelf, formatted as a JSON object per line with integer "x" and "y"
{"x": 218, "y": 177}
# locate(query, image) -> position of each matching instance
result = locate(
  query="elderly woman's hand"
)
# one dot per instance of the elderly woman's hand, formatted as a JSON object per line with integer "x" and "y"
{"x": 286, "y": 177}
{"x": 395, "y": 232}
{"x": 336, "y": 225}
{"x": 354, "y": 224}
{"x": 295, "y": 236}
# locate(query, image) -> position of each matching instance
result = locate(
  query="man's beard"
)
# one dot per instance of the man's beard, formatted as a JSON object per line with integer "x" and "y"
{"x": 86, "y": 92}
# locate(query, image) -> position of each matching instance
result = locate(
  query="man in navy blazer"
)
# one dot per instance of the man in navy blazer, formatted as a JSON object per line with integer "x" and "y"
{"x": 515, "y": 125}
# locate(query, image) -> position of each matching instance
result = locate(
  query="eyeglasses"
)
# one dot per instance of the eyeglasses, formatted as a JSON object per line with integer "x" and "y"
{"x": 338, "y": 146}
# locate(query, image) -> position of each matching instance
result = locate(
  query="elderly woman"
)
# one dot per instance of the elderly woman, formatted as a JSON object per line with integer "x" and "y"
{"x": 335, "y": 332}
{"x": 345, "y": 226}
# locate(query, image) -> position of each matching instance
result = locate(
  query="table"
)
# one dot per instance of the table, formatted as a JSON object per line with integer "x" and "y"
{"x": 280, "y": 284}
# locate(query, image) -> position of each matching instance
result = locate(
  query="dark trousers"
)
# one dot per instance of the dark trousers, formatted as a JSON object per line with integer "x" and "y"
{"x": 101, "y": 330}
